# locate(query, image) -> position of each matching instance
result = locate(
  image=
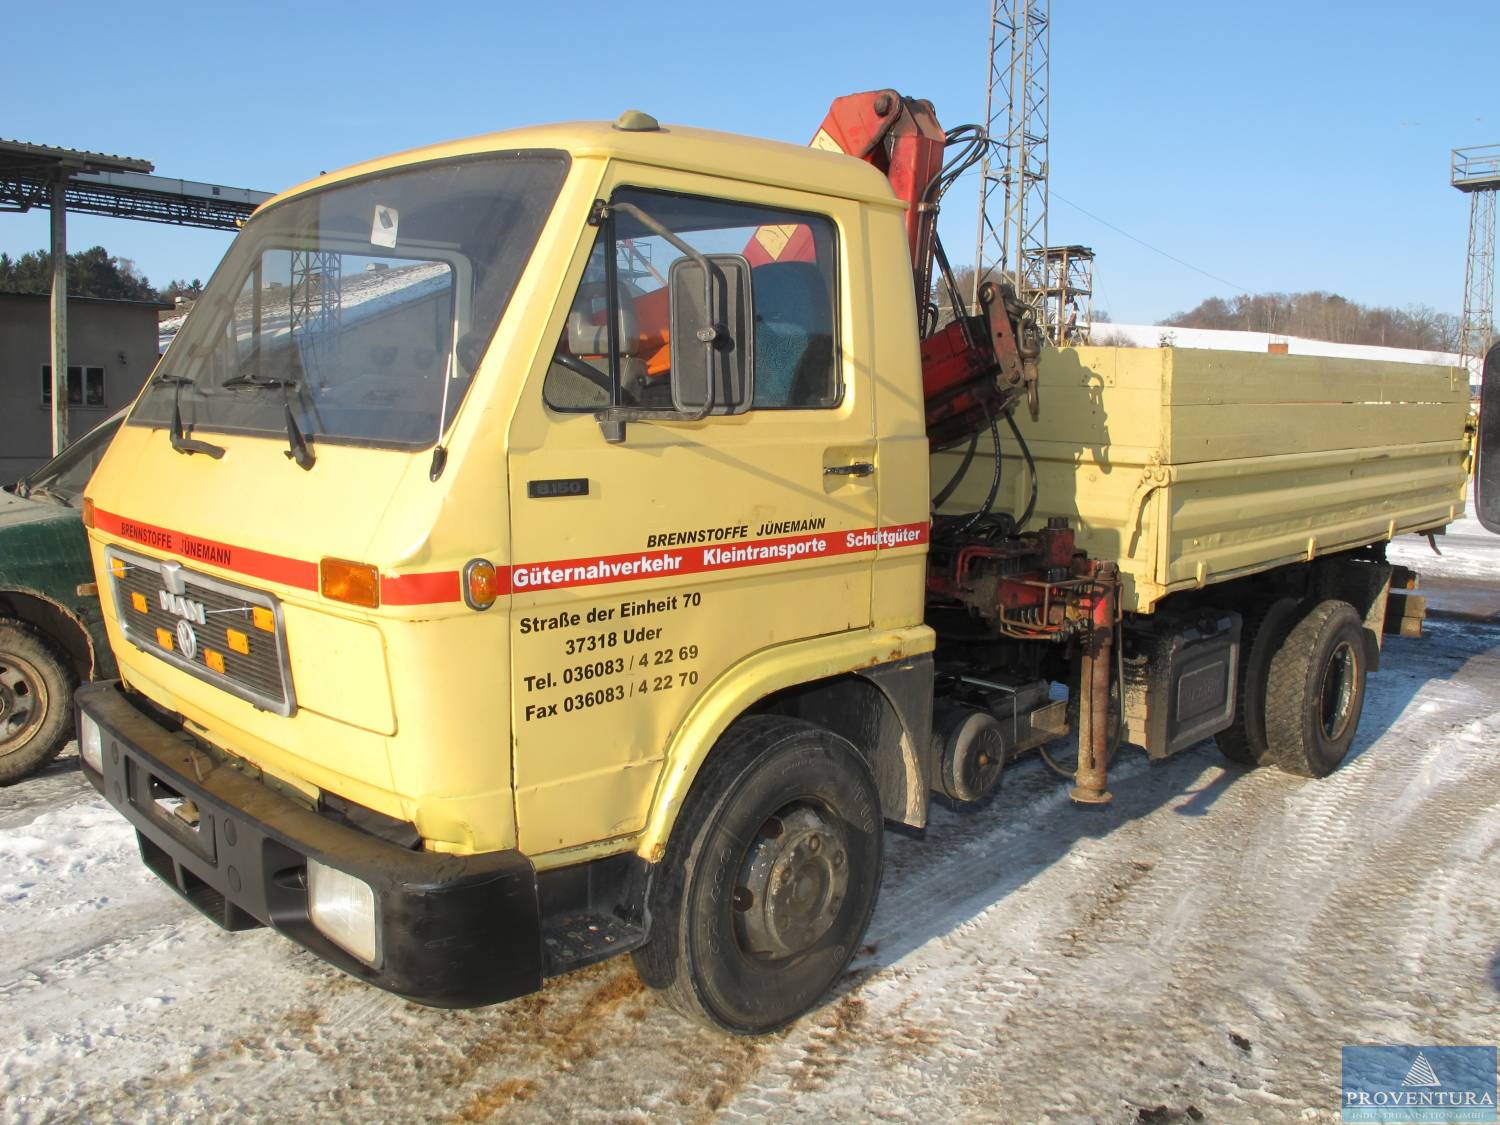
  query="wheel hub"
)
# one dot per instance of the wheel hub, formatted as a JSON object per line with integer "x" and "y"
{"x": 23, "y": 702}
{"x": 1337, "y": 694}
{"x": 793, "y": 882}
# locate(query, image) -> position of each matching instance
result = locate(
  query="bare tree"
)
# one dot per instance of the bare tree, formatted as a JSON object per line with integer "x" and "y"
{"x": 1320, "y": 315}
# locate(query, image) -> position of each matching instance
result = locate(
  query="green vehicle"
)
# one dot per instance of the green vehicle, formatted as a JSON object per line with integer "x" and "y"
{"x": 51, "y": 631}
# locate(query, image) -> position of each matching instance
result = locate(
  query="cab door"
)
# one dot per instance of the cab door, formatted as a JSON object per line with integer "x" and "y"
{"x": 646, "y": 567}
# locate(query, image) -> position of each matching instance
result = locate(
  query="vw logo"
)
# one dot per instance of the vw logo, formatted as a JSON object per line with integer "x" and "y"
{"x": 187, "y": 640}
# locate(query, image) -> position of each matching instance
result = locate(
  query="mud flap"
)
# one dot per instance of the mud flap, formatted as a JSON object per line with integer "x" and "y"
{"x": 1181, "y": 679}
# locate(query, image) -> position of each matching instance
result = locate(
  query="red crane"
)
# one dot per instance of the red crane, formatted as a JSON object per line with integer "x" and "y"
{"x": 1027, "y": 586}
{"x": 975, "y": 368}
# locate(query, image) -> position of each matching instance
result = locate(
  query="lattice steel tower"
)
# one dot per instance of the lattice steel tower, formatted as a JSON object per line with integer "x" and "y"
{"x": 1476, "y": 171}
{"x": 1012, "y": 241}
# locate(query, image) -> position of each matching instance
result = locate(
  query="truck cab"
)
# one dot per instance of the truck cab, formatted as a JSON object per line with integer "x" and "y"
{"x": 489, "y": 493}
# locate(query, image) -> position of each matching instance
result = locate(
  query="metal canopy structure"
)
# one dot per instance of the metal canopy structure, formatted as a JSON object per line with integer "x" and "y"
{"x": 98, "y": 183}
{"x": 1476, "y": 172}
{"x": 43, "y": 163}
{"x": 118, "y": 186}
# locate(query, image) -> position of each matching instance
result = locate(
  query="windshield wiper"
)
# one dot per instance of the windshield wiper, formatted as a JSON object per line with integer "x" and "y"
{"x": 253, "y": 381}
{"x": 180, "y": 441}
{"x": 299, "y": 450}
{"x": 44, "y": 492}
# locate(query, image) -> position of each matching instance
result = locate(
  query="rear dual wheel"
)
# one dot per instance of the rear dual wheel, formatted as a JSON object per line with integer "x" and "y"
{"x": 769, "y": 880}
{"x": 1301, "y": 687}
{"x": 1265, "y": 629}
{"x": 1316, "y": 690}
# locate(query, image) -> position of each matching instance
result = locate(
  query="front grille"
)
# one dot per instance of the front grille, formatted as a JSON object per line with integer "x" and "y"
{"x": 204, "y": 621}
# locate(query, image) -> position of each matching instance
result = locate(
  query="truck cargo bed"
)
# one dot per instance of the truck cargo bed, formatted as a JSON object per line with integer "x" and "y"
{"x": 1191, "y": 466}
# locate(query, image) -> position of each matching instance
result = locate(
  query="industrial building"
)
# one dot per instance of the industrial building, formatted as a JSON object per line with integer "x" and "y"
{"x": 111, "y": 351}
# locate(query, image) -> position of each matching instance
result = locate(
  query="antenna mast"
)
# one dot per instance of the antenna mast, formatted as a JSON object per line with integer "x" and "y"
{"x": 1476, "y": 172}
{"x": 1013, "y": 187}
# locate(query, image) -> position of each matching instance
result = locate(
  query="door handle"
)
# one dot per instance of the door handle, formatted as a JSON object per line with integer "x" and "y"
{"x": 857, "y": 469}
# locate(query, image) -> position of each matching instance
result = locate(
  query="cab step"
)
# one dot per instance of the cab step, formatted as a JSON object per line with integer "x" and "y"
{"x": 571, "y": 941}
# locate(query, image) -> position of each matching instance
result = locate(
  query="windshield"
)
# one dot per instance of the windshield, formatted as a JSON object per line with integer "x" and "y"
{"x": 63, "y": 478}
{"x": 363, "y": 308}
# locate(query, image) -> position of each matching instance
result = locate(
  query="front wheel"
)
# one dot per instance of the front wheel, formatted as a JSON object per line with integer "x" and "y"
{"x": 36, "y": 702}
{"x": 769, "y": 880}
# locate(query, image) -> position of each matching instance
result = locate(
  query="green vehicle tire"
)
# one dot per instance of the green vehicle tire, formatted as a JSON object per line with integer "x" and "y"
{"x": 36, "y": 702}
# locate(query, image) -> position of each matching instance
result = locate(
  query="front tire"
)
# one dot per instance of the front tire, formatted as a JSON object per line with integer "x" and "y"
{"x": 36, "y": 702}
{"x": 769, "y": 879}
{"x": 1316, "y": 690}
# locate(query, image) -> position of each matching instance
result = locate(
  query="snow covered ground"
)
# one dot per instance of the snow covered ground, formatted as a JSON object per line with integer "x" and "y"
{"x": 1158, "y": 335}
{"x": 1468, "y": 551}
{"x": 1198, "y": 950}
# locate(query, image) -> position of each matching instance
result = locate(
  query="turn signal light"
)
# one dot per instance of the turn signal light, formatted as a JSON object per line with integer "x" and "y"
{"x": 481, "y": 583}
{"x": 88, "y": 512}
{"x": 352, "y": 582}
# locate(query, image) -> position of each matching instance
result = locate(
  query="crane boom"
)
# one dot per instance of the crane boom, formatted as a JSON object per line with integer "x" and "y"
{"x": 978, "y": 366}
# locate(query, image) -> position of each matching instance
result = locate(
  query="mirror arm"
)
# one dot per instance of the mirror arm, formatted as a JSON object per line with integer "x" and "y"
{"x": 612, "y": 421}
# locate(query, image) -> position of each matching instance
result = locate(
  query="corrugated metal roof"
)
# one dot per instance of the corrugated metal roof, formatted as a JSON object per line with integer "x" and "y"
{"x": 98, "y": 183}
{"x": 22, "y": 154}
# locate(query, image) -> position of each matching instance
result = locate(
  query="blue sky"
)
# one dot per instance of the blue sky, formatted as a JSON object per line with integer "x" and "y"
{"x": 1274, "y": 145}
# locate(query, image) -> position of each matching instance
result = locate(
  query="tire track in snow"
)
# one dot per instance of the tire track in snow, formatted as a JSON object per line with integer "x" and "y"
{"x": 1283, "y": 841}
{"x": 1032, "y": 962}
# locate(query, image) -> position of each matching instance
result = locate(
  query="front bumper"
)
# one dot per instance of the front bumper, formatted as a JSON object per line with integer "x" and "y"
{"x": 452, "y": 931}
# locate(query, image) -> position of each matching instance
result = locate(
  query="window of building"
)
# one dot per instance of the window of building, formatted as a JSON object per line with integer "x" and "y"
{"x": 85, "y": 385}
{"x": 793, "y": 279}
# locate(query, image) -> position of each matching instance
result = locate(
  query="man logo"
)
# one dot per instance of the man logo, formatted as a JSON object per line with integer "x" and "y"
{"x": 187, "y": 640}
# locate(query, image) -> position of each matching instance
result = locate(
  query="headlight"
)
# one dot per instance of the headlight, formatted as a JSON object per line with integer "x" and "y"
{"x": 90, "y": 743}
{"x": 343, "y": 909}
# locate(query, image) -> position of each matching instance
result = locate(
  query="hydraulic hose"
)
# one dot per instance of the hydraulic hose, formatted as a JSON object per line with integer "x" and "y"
{"x": 1030, "y": 468}
{"x": 989, "y": 501}
{"x": 963, "y": 470}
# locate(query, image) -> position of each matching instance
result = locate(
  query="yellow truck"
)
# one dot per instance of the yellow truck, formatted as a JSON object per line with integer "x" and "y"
{"x": 584, "y": 539}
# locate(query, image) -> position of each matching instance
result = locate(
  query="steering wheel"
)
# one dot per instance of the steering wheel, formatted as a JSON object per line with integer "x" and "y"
{"x": 579, "y": 367}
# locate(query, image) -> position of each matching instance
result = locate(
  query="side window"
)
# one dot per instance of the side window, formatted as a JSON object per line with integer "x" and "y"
{"x": 793, "y": 274}
{"x": 85, "y": 385}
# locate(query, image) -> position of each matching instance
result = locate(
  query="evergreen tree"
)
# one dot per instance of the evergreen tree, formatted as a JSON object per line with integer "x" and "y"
{"x": 91, "y": 273}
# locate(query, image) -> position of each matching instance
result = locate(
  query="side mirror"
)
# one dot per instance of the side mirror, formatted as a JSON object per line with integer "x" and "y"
{"x": 713, "y": 334}
{"x": 1487, "y": 451}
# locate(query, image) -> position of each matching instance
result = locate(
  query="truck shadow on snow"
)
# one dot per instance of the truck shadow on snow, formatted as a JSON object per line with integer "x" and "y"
{"x": 967, "y": 861}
